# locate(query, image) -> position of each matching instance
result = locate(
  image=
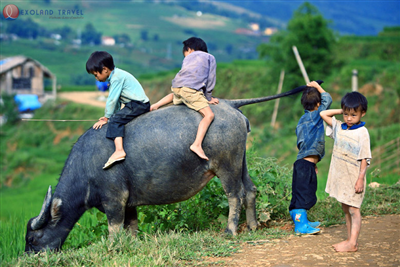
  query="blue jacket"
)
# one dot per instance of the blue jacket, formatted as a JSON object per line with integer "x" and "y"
{"x": 310, "y": 130}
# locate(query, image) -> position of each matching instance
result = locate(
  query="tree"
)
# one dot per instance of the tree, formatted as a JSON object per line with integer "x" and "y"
{"x": 122, "y": 38}
{"x": 90, "y": 35}
{"x": 65, "y": 31}
{"x": 309, "y": 32}
{"x": 144, "y": 35}
{"x": 24, "y": 28}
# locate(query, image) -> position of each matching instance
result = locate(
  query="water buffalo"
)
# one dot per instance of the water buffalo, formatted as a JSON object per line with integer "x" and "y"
{"x": 159, "y": 169}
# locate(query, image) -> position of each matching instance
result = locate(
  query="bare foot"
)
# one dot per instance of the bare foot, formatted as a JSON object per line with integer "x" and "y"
{"x": 345, "y": 246}
{"x": 199, "y": 151}
{"x": 338, "y": 244}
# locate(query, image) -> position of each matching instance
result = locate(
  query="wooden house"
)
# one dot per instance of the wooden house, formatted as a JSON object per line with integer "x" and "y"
{"x": 23, "y": 75}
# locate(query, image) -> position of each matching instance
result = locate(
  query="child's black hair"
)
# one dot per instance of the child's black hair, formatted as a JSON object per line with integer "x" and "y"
{"x": 98, "y": 60}
{"x": 354, "y": 101}
{"x": 310, "y": 98}
{"x": 194, "y": 43}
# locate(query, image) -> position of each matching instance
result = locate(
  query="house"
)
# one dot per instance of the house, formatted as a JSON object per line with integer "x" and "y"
{"x": 107, "y": 40}
{"x": 270, "y": 31}
{"x": 22, "y": 75}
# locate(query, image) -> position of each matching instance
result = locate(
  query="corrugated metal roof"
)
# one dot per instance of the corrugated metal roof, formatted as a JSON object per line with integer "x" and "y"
{"x": 12, "y": 62}
{"x": 5, "y": 60}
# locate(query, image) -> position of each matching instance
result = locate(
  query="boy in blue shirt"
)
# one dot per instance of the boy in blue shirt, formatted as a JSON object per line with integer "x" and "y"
{"x": 124, "y": 89}
{"x": 311, "y": 145}
{"x": 193, "y": 86}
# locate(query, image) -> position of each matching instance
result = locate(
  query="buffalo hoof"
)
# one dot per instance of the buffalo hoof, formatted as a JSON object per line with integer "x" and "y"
{"x": 253, "y": 226}
{"x": 229, "y": 232}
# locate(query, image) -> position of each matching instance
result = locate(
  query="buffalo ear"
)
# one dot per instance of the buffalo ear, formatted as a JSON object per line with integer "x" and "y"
{"x": 55, "y": 210}
{"x": 39, "y": 221}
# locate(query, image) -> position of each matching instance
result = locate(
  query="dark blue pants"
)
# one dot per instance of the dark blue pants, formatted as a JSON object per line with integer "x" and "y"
{"x": 116, "y": 124}
{"x": 304, "y": 185}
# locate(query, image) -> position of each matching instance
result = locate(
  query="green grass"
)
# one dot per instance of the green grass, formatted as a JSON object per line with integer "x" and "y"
{"x": 85, "y": 247}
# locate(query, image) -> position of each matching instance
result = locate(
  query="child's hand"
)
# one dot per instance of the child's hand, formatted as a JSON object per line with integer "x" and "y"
{"x": 213, "y": 101}
{"x": 100, "y": 123}
{"x": 359, "y": 187}
{"x": 316, "y": 86}
{"x": 153, "y": 107}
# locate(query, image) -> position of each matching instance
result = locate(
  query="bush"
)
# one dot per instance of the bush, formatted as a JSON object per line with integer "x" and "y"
{"x": 274, "y": 187}
{"x": 210, "y": 209}
{"x": 8, "y": 108}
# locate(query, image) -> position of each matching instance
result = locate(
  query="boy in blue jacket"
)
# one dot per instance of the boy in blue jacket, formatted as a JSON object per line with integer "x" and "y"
{"x": 311, "y": 145}
{"x": 124, "y": 89}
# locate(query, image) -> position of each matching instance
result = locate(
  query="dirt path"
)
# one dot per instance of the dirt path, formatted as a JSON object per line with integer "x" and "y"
{"x": 379, "y": 245}
{"x": 89, "y": 98}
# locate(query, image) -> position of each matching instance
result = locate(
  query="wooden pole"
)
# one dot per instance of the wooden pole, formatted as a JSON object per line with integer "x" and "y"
{"x": 303, "y": 70}
{"x": 54, "y": 87}
{"x": 354, "y": 81}
{"x": 53, "y": 120}
{"x": 275, "y": 113}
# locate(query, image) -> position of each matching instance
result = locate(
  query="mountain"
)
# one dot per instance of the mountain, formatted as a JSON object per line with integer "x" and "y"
{"x": 354, "y": 17}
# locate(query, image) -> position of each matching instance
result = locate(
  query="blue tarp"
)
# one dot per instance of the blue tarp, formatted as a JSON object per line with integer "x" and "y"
{"x": 102, "y": 86}
{"x": 27, "y": 102}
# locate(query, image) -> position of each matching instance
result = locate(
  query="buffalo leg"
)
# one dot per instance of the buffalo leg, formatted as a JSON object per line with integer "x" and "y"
{"x": 115, "y": 211}
{"x": 131, "y": 220}
{"x": 233, "y": 187}
{"x": 250, "y": 198}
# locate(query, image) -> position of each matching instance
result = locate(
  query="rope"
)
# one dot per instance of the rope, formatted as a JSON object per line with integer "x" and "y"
{"x": 54, "y": 120}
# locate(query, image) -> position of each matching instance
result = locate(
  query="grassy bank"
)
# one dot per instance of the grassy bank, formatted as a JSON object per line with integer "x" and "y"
{"x": 181, "y": 247}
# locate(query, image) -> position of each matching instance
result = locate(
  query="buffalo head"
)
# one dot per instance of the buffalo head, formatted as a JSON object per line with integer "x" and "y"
{"x": 42, "y": 231}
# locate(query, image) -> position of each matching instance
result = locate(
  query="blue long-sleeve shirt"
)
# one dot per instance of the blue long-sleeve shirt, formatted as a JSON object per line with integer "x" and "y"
{"x": 123, "y": 88}
{"x": 198, "y": 72}
{"x": 310, "y": 130}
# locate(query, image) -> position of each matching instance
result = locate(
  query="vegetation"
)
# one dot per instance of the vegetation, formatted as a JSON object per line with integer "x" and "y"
{"x": 309, "y": 32}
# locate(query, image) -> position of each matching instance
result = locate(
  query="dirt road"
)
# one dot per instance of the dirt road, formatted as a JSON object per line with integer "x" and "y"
{"x": 379, "y": 245}
{"x": 95, "y": 98}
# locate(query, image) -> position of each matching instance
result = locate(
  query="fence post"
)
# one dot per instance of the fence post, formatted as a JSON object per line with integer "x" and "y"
{"x": 298, "y": 58}
{"x": 354, "y": 81}
{"x": 275, "y": 113}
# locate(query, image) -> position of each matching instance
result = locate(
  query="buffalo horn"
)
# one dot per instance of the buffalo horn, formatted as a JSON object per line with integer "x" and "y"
{"x": 44, "y": 214}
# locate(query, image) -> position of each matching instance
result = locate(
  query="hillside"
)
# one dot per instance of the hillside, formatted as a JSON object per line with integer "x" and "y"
{"x": 33, "y": 153}
{"x": 149, "y": 34}
{"x": 377, "y": 76}
{"x": 375, "y": 58}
